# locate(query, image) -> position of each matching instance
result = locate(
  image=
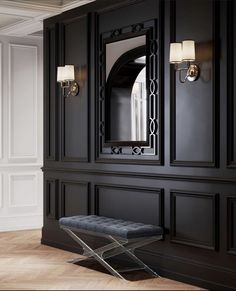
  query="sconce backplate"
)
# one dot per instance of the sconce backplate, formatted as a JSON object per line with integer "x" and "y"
{"x": 193, "y": 73}
{"x": 74, "y": 88}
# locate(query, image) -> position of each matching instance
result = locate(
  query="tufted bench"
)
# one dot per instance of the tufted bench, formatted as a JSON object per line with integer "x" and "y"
{"x": 125, "y": 237}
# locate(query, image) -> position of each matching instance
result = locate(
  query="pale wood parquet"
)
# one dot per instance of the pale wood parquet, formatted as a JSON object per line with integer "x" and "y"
{"x": 25, "y": 264}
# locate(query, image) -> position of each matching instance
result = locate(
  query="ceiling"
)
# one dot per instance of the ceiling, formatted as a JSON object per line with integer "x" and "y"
{"x": 55, "y": 3}
{"x": 25, "y": 17}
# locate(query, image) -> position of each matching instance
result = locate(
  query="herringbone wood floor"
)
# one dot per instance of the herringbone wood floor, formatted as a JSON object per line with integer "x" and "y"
{"x": 25, "y": 264}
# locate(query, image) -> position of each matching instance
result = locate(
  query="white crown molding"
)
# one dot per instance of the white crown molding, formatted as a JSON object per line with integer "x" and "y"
{"x": 32, "y": 16}
{"x": 26, "y": 7}
{"x": 23, "y": 28}
{"x": 75, "y": 4}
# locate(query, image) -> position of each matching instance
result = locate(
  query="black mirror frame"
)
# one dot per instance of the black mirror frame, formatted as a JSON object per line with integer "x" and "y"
{"x": 151, "y": 152}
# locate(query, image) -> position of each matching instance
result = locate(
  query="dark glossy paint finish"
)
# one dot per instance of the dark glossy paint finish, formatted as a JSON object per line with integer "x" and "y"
{"x": 188, "y": 183}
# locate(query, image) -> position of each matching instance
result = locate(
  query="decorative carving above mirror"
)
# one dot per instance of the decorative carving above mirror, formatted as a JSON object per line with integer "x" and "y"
{"x": 129, "y": 105}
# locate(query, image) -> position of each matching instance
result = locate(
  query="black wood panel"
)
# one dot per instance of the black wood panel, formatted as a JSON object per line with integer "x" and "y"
{"x": 194, "y": 106}
{"x": 74, "y": 110}
{"x": 203, "y": 254}
{"x": 74, "y": 198}
{"x": 51, "y": 61}
{"x": 194, "y": 219}
{"x": 141, "y": 11}
{"x": 130, "y": 203}
{"x": 232, "y": 225}
{"x": 51, "y": 199}
{"x": 231, "y": 69}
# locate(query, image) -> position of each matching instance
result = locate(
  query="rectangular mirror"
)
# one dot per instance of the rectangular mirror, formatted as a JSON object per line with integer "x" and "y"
{"x": 126, "y": 102}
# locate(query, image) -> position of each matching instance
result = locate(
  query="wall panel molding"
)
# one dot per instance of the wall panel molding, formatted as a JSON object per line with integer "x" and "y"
{"x": 231, "y": 225}
{"x": 75, "y": 131}
{"x": 23, "y": 190}
{"x": 1, "y": 191}
{"x": 51, "y": 199}
{"x": 145, "y": 175}
{"x": 231, "y": 73}
{"x": 23, "y": 112}
{"x": 21, "y": 133}
{"x": 1, "y": 103}
{"x": 51, "y": 61}
{"x": 155, "y": 196}
{"x": 214, "y": 160}
{"x": 75, "y": 197}
{"x": 189, "y": 224}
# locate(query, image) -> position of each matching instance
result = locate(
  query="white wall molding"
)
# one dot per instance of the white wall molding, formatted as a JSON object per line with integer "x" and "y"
{"x": 21, "y": 123}
{"x": 21, "y": 222}
{"x": 23, "y": 187}
{"x": 5, "y": 166}
{"x": 19, "y": 84}
{"x": 1, "y": 191}
{"x": 1, "y": 94}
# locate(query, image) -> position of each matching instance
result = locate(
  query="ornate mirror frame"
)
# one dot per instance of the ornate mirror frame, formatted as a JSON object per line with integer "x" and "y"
{"x": 151, "y": 152}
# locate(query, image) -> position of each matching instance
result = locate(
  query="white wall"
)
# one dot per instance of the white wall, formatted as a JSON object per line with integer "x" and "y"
{"x": 21, "y": 133}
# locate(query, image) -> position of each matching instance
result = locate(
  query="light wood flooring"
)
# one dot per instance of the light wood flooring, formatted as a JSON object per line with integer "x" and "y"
{"x": 25, "y": 264}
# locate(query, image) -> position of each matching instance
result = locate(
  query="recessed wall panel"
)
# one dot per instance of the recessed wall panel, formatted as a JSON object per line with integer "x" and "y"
{"x": 1, "y": 191}
{"x": 23, "y": 190}
{"x": 51, "y": 198}
{"x": 74, "y": 198}
{"x": 22, "y": 102}
{"x": 231, "y": 82}
{"x": 75, "y": 109}
{"x": 130, "y": 203}
{"x": 1, "y": 91}
{"x": 194, "y": 127}
{"x": 194, "y": 219}
{"x": 231, "y": 225}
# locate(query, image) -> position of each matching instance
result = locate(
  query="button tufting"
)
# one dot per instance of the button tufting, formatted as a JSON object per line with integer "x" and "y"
{"x": 111, "y": 226}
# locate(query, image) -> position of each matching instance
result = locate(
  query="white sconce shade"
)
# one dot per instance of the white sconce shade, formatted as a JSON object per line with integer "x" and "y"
{"x": 66, "y": 77}
{"x": 60, "y": 74}
{"x": 69, "y": 74}
{"x": 175, "y": 53}
{"x": 188, "y": 47}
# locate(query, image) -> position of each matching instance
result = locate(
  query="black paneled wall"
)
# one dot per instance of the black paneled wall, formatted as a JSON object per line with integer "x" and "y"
{"x": 185, "y": 179}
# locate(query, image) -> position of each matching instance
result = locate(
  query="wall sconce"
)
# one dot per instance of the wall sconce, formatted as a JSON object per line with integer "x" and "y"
{"x": 184, "y": 52}
{"x": 66, "y": 77}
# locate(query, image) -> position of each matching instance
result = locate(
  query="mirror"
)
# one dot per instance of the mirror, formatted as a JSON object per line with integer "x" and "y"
{"x": 126, "y": 102}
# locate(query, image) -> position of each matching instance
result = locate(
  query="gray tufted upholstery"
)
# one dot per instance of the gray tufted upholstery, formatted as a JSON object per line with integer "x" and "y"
{"x": 111, "y": 226}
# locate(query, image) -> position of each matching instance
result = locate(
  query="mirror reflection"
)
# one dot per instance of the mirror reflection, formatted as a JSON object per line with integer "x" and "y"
{"x": 126, "y": 98}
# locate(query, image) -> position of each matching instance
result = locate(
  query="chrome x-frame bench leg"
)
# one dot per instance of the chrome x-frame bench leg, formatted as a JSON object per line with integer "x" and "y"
{"x": 118, "y": 246}
{"x": 98, "y": 257}
{"x": 130, "y": 253}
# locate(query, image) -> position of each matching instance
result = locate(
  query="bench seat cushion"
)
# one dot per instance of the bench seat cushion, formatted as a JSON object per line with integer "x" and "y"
{"x": 111, "y": 226}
